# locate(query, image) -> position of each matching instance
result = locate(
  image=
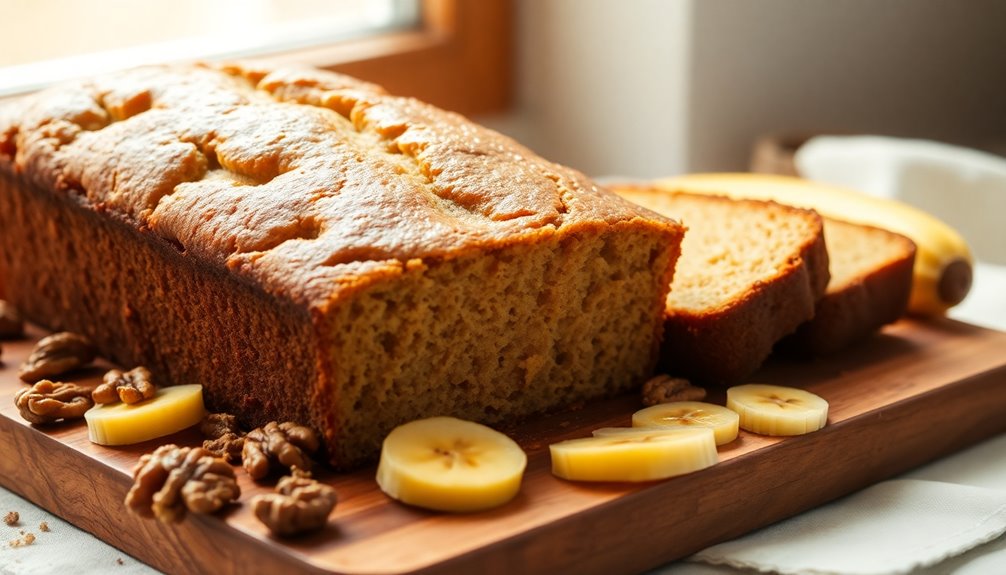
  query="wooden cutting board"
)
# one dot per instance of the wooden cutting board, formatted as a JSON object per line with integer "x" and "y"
{"x": 917, "y": 391}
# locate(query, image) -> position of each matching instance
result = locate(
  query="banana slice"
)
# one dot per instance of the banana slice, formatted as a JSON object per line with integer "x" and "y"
{"x": 449, "y": 464}
{"x": 171, "y": 409}
{"x": 630, "y": 454}
{"x": 677, "y": 414}
{"x": 777, "y": 410}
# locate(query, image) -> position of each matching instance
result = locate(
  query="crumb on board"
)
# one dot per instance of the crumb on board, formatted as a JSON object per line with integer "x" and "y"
{"x": 119, "y": 561}
{"x": 12, "y": 518}
{"x": 23, "y": 541}
{"x": 43, "y": 526}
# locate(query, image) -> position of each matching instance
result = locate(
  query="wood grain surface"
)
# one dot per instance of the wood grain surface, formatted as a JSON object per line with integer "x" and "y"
{"x": 915, "y": 392}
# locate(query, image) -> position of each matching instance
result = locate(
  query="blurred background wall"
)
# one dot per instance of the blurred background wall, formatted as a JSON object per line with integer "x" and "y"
{"x": 645, "y": 88}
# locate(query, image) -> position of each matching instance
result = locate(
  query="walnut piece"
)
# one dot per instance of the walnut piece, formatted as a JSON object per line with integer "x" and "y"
{"x": 173, "y": 480}
{"x": 132, "y": 386}
{"x": 223, "y": 436}
{"x": 57, "y": 354}
{"x": 12, "y": 518}
{"x": 216, "y": 425}
{"x": 11, "y": 324}
{"x": 229, "y": 446}
{"x": 665, "y": 389}
{"x": 300, "y": 505}
{"x": 46, "y": 401}
{"x": 278, "y": 444}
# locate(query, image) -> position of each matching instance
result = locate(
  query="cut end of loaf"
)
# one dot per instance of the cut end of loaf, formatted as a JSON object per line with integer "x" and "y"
{"x": 525, "y": 329}
{"x": 733, "y": 248}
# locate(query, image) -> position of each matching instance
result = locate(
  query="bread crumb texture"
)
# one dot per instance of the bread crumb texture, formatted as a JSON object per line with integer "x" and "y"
{"x": 733, "y": 246}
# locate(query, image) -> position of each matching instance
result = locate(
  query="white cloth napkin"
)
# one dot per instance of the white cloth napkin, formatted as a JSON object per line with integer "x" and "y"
{"x": 63, "y": 549}
{"x": 920, "y": 520}
{"x": 892, "y": 527}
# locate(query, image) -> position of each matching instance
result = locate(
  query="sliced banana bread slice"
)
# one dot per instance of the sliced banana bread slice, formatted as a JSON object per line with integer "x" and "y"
{"x": 750, "y": 273}
{"x": 871, "y": 280}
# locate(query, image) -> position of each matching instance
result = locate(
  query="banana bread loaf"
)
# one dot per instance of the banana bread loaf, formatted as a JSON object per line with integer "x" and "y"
{"x": 309, "y": 247}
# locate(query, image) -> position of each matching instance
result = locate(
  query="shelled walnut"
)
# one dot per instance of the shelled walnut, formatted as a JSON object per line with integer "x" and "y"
{"x": 47, "y": 401}
{"x": 223, "y": 436}
{"x": 132, "y": 386}
{"x": 11, "y": 324}
{"x": 665, "y": 389}
{"x": 57, "y": 354}
{"x": 300, "y": 505}
{"x": 173, "y": 480}
{"x": 287, "y": 444}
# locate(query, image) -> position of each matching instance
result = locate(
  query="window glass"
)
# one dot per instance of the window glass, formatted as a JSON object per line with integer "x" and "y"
{"x": 51, "y": 40}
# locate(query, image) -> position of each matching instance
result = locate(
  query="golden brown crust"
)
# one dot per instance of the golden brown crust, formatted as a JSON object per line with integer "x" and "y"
{"x": 293, "y": 177}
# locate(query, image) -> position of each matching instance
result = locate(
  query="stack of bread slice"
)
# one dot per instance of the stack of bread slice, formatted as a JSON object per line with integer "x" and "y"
{"x": 754, "y": 273}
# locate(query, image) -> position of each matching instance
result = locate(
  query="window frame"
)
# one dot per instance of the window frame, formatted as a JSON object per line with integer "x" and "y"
{"x": 459, "y": 58}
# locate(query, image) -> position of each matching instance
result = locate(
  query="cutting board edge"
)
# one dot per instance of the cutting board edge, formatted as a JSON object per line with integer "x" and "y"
{"x": 486, "y": 560}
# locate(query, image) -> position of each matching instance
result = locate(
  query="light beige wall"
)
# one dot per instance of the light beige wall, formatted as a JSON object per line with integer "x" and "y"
{"x": 653, "y": 87}
{"x": 602, "y": 83}
{"x": 923, "y": 68}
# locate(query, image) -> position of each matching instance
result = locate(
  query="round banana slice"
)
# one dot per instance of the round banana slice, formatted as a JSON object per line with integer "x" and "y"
{"x": 449, "y": 464}
{"x": 632, "y": 454}
{"x": 172, "y": 409}
{"x": 678, "y": 414}
{"x": 777, "y": 410}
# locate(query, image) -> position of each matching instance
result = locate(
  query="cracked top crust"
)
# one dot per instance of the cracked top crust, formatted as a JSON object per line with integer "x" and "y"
{"x": 306, "y": 182}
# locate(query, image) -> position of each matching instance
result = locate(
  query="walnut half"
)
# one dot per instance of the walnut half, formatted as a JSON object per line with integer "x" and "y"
{"x": 287, "y": 444}
{"x": 665, "y": 389}
{"x": 223, "y": 436}
{"x": 300, "y": 505}
{"x": 47, "y": 402}
{"x": 173, "y": 480}
{"x": 57, "y": 354}
{"x": 132, "y": 386}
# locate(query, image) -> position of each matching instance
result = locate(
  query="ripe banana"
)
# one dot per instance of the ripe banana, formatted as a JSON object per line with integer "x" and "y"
{"x": 777, "y": 410}
{"x": 683, "y": 414}
{"x": 171, "y": 409}
{"x": 449, "y": 464}
{"x": 943, "y": 261}
{"x": 631, "y": 454}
